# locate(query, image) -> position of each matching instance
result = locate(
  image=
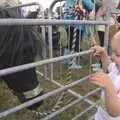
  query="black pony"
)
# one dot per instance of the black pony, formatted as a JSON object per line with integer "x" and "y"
{"x": 19, "y": 45}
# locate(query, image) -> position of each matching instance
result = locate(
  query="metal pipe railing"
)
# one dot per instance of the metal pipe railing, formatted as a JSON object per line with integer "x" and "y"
{"x": 21, "y": 5}
{"x": 50, "y": 41}
{"x": 50, "y": 36}
{"x": 86, "y": 110}
{"x": 40, "y": 98}
{"x": 11, "y": 21}
{"x": 73, "y": 93}
{"x": 8, "y": 22}
{"x": 11, "y": 70}
{"x": 71, "y": 104}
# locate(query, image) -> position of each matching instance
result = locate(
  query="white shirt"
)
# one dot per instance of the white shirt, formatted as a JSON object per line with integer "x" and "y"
{"x": 113, "y": 74}
{"x": 102, "y": 114}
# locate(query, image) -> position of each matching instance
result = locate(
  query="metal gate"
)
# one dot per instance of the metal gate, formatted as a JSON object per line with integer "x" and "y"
{"x": 61, "y": 88}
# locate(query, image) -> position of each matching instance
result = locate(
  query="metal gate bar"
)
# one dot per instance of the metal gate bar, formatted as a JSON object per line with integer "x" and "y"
{"x": 86, "y": 110}
{"x": 70, "y": 105}
{"x": 19, "y": 68}
{"x": 11, "y": 21}
{"x": 40, "y": 98}
{"x": 23, "y": 5}
{"x": 74, "y": 93}
{"x": 42, "y": 22}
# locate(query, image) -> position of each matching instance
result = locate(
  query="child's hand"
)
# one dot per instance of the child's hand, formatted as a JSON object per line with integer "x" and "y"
{"x": 101, "y": 79}
{"x": 98, "y": 50}
{"x": 102, "y": 54}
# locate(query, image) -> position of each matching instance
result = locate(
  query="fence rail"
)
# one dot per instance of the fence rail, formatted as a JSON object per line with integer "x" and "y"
{"x": 11, "y": 21}
{"x": 38, "y": 99}
{"x": 11, "y": 70}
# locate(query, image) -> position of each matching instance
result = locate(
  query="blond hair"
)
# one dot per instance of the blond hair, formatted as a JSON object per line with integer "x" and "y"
{"x": 115, "y": 42}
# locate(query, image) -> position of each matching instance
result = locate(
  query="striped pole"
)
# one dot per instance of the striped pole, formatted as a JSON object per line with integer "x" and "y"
{"x": 74, "y": 31}
{"x": 73, "y": 61}
{"x": 74, "y": 35}
{"x": 69, "y": 72}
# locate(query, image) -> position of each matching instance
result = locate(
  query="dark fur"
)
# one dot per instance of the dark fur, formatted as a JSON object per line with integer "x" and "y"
{"x": 18, "y": 45}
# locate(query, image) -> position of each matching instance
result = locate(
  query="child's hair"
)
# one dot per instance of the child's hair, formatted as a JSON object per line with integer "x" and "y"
{"x": 115, "y": 42}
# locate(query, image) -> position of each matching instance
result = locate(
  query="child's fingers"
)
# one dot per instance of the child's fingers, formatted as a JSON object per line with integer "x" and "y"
{"x": 96, "y": 54}
{"x": 97, "y": 83}
{"x": 94, "y": 78}
{"x": 97, "y": 77}
{"x": 96, "y": 51}
{"x": 93, "y": 49}
{"x": 97, "y": 74}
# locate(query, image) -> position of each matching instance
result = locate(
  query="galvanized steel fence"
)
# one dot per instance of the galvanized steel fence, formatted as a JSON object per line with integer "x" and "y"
{"x": 51, "y": 60}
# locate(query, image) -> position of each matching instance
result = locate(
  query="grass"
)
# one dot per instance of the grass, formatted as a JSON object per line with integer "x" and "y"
{"x": 9, "y": 100}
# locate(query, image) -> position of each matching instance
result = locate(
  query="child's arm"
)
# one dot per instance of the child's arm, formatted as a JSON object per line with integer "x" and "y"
{"x": 112, "y": 102}
{"x": 111, "y": 98}
{"x": 102, "y": 54}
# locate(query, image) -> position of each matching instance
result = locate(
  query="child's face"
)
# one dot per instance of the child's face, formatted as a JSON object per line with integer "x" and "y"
{"x": 116, "y": 58}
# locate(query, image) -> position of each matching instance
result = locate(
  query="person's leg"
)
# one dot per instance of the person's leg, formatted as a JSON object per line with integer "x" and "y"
{"x": 71, "y": 37}
{"x": 101, "y": 37}
{"x": 77, "y": 42}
